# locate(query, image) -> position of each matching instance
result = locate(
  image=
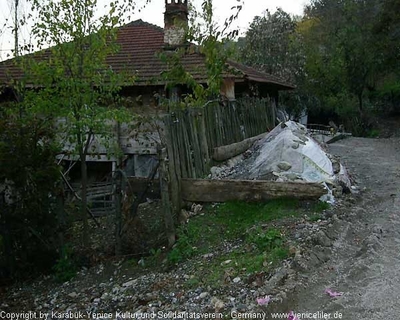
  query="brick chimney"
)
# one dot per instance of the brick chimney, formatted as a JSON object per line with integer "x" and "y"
{"x": 175, "y": 22}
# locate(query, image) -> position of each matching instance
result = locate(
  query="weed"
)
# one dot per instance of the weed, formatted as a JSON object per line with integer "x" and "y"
{"x": 154, "y": 257}
{"x": 238, "y": 216}
{"x": 65, "y": 268}
{"x": 314, "y": 217}
{"x": 278, "y": 254}
{"x": 320, "y": 206}
{"x": 268, "y": 240}
{"x": 192, "y": 282}
{"x": 373, "y": 133}
{"x": 184, "y": 247}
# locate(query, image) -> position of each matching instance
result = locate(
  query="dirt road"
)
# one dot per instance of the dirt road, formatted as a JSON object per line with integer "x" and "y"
{"x": 365, "y": 264}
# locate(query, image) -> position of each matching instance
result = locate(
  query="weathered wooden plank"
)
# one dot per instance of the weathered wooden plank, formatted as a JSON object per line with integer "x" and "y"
{"x": 187, "y": 148}
{"x": 197, "y": 190}
{"x": 197, "y": 158}
{"x": 179, "y": 145}
{"x": 203, "y": 140}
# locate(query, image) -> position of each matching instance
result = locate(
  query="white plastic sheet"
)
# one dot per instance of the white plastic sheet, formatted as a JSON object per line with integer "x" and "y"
{"x": 287, "y": 146}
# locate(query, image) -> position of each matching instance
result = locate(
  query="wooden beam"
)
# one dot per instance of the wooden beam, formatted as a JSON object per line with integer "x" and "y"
{"x": 198, "y": 190}
{"x": 338, "y": 136}
{"x": 231, "y": 150}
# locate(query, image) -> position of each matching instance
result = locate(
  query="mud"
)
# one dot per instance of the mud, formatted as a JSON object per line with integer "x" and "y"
{"x": 365, "y": 259}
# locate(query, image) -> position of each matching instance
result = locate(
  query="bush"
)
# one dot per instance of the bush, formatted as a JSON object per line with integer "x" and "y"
{"x": 65, "y": 267}
{"x": 28, "y": 191}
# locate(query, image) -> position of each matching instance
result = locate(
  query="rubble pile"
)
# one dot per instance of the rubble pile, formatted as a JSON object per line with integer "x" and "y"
{"x": 288, "y": 153}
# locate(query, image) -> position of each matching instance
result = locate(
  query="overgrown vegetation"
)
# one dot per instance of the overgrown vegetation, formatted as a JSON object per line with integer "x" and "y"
{"x": 228, "y": 221}
{"x": 340, "y": 55}
{"x": 65, "y": 267}
{"x": 30, "y": 193}
{"x": 75, "y": 101}
{"x": 253, "y": 235}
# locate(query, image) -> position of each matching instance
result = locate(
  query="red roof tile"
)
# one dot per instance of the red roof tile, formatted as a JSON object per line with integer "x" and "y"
{"x": 140, "y": 45}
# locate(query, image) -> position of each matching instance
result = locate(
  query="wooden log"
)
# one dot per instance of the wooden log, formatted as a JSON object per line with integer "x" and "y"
{"x": 197, "y": 190}
{"x": 231, "y": 150}
{"x": 338, "y": 136}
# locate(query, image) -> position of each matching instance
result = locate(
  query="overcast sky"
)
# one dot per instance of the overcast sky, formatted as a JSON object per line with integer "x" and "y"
{"x": 153, "y": 13}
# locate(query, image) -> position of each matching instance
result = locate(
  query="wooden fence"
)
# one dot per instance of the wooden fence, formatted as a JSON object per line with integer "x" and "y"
{"x": 192, "y": 134}
{"x": 100, "y": 197}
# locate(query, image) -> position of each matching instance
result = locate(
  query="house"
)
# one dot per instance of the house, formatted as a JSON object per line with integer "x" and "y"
{"x": 140, "y": 45}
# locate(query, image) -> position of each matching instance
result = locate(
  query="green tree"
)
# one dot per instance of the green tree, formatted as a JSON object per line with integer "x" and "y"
{"x": 268, "y": 45}
{"x": 387, "y": 29}
{"x": 354, "y": 46}
{"x": 77, "y": 88}
{"x": 274, "y": 45}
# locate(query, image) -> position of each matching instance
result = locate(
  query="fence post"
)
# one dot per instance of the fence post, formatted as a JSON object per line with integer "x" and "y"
{"x": 174, "y": 166}
{"x": 165, "y": 197}
{"x": 118, "y": 180}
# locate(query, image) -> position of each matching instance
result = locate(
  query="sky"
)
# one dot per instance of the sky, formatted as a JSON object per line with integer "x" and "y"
{"x": 152, "y": 13}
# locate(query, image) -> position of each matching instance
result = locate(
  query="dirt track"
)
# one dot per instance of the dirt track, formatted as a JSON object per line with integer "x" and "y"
{"x": 365, "y": 263}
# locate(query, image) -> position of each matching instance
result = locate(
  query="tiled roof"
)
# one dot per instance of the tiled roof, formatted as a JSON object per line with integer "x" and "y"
{"x": 140, "y": 44}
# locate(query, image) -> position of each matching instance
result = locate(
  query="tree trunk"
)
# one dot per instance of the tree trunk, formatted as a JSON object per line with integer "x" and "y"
{"x": 85, "y": 222}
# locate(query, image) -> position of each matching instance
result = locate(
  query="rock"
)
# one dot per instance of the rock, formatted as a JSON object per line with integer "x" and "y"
{"x": 292, "y": 176}
{"x": 183, "y": 217}
{"x": 96, "y": 300}
{"x": 284, "y": 166}
{"x": 73, "y": 295}
{"x": 203, "y": 295}
{"x": 129, "y": 283}
{"x": 116, "y": 290}
{"x": 104, "y": 296}
{"x": 321, "y": 238}
{"x": 241, "y": 307}
{"x": 196, "y": 208}
{"x": 236, "y": 280}
{"x": 321, "y": 253}
{"x": 276, "y": 279}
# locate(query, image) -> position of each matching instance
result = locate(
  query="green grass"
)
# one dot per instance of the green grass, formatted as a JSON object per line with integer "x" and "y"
{"x": 260, "y": 248}
{"x": 373, "y": 133}
{"x": 238, "y": 216}
{"x": 256, "y": 229}
{"x": 314, "y": 217}
{"x": 320, "y": 206}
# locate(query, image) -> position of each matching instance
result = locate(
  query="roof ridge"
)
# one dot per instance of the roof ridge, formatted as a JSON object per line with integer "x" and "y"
{"x": 238, "y": 66}
{"x": 140, "y": 22}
